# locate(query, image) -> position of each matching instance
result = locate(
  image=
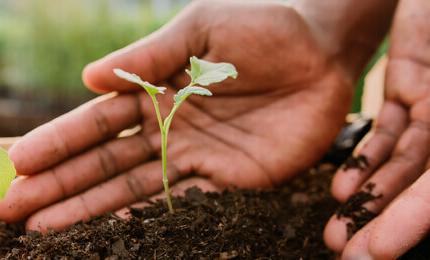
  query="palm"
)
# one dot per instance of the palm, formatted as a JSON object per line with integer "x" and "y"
{"x": 256, "y": 131}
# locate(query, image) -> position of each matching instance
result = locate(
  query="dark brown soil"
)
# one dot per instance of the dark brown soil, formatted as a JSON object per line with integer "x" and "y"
{"x": 356, "y": 162}
{"x": 355, "y": 211}
{"x": 284, "y": 223}
{"x": 359, "y": 216}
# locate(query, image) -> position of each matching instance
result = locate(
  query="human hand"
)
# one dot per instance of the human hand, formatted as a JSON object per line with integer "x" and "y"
{"x": 256, "y": 131}
{"x": 398, "y": 150}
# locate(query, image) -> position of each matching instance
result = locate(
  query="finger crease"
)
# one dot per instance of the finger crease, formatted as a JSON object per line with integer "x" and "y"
{"x": 135, "y": 187}
{"x": 404, "y": 158}
{"x": 173, "y": 172}
{"x": 385, "y": 132}
{"x": 153, "y": 64}
{"x": 421, "y": 125}
{"x": 61, "y": 144}
{"x": 87, "y": 211}
{"x": 139, "y": 107}
{"x": 60, "y": 184}
{"x": 107, "y": 162}
{"x": 147, "y": 147}
{"x": 101, "y": 123}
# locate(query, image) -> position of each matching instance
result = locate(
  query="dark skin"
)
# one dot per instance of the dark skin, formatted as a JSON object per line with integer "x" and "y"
{"x": 398, "y": 149}
{"x": 251, "y": 133}
{"x": 297, "y": 66}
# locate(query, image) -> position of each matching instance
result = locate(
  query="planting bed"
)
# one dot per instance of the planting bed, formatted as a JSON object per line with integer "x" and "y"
{"x": 283, "y": 223}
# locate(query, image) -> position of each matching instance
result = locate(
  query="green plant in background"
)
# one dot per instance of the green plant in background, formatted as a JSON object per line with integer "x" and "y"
{"x": 202, "y": 73}
{"x": 7, "y": 172}
{"x": 45, "y": 44}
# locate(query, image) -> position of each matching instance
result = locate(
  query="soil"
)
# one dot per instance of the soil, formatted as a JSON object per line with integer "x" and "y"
{"x": 359, "y": 216}
{"x": 283, "y": 223}
{"x": 359, "y": 162}
{"x": 354, "y": 210}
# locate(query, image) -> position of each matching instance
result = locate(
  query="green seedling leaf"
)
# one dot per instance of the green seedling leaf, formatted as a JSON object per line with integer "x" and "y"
{"x": 185, "y": 92}
{"x": 7, "y": 172}
{"x": 202, "y": 73}
{"x": 136, "y": 79}
{"x": 205, "y": 73}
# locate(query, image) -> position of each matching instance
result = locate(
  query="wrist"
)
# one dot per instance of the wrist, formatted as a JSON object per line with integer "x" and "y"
{"x": 348, "y": 31}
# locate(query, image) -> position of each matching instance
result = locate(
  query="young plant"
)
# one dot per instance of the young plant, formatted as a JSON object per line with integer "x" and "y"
{"x": 202, "y": 73}
{"x": 7, "y": 172}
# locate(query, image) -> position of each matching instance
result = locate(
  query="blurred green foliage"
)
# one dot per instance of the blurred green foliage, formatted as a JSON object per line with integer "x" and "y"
{"x": 45, "y": 44}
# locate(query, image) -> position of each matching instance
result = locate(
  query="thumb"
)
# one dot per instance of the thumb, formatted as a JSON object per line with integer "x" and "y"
{"x": 155, "y": 58}
{"x": 408, "y": 215}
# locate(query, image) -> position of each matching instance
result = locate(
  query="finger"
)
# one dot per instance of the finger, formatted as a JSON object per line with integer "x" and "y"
{"x": 123, "y": 190}
{"x": 74, "y": 132}
{"x": 335, "y": 235}
{"x": 391, "y": 123}
{"x": 409, "y": 158}
{"x": 155, "y": 58}
{"x": 358, "y": 246}
{"x": 28, "y": 194}
{"x": 177, "y": 190}
{"x": 409, "y": 216}
{"x": 404, "y": 167}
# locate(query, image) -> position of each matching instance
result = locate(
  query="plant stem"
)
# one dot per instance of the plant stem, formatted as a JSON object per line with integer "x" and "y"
{"x": 164, "y": 168}
{"x": 169, "y": 118}
{"x": 163, "y": 153}
{"x": 157, "y": 111}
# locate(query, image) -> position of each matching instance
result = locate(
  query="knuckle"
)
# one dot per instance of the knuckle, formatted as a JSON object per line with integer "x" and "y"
{"x": 384, "y": 131}
{"x": 101, "y": 122}
{"x": 147, "y": 148}
{"x": 107, "y": 161}
{"x": 420, "y": 112}
{"x": 173, "y": 172}
{"x": 60, "y": 145}
{"x": 135, "y": 186}
{"x": 421, "y": 125}
{"x": 59, "y": 182}
{"x": 86, "y": 212}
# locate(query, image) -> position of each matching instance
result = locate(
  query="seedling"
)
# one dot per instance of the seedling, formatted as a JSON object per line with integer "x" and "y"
{"x": 202, "y": 73}
{"x": 7, "y": 172}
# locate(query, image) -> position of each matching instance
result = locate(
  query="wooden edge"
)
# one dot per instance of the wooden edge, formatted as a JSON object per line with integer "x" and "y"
{"x": 6, "y": 142}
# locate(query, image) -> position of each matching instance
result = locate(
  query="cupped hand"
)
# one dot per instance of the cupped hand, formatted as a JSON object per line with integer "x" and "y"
{"x": 275, "y": 120}
{"x": 398, "y": 150}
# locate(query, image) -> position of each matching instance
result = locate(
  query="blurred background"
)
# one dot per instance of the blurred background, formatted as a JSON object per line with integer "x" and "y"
{"x": 45, "y": 44}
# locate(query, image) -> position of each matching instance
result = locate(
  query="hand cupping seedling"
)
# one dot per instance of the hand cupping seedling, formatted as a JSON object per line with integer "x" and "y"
{"x": 202, "y": 73}
{"x": 7, "y": 172}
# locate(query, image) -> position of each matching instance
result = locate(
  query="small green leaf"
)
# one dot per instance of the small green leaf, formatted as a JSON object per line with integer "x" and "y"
{"x": 205, "y": 73}
{"x": 7, "y": 172}
{"x": 185, "y": 92}
{"x": 136, "y": 79}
